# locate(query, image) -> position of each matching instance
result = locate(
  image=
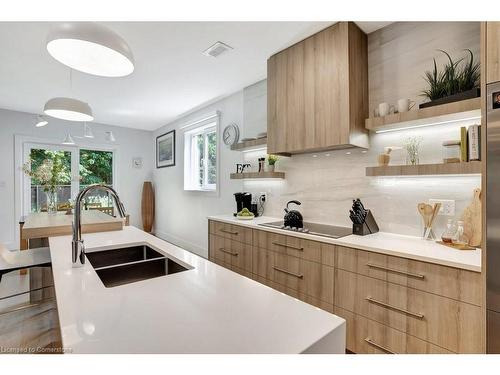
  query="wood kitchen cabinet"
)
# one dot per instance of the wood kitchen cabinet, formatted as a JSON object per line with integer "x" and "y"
{"x": 318, "y": 92}
{"x": 492, "y": 52}
{"x": 391, "y": 304}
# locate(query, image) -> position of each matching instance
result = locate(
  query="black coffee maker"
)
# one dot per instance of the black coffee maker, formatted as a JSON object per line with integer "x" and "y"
{"x": 244, "y": 200}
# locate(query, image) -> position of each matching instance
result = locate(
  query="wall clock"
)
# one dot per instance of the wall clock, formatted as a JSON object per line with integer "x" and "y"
{"x": 231, "y": 134}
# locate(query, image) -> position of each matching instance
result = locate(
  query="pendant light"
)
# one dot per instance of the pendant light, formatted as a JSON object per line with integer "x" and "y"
{"x": 68, "y": 109}
{"x": 110, "y": 137}
{"x": 90, "y": 48}
{"x": 40, "y": 121}
{"x": 87, "y": 131}
{"x": 68, "y": 140}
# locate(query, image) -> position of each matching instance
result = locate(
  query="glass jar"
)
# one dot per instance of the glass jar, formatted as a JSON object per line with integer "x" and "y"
{"x": 451, "y": 152}
{"x": 460, "y": 238}
{"x": 450, "y": 232}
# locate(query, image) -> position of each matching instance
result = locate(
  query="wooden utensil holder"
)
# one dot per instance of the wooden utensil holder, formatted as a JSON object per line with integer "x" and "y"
{"x": 369, "y": 226}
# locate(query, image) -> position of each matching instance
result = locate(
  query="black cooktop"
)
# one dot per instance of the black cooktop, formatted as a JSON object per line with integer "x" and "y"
{"x": 316, "y": 229}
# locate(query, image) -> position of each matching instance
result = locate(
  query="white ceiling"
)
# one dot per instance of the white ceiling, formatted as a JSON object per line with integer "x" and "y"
{"x": 171, "y": 75}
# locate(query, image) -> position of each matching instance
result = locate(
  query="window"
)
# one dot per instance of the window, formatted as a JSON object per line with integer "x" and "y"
{"x": 200, "y": 156}
{"x": 80, "y": 168}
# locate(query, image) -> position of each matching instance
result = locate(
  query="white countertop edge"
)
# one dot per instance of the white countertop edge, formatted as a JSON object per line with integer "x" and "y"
{"x": 80, "y": 296}
{"x": 400, "y": 245}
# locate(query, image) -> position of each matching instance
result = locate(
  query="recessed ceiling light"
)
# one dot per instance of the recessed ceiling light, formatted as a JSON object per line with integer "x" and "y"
{"x": 217, "y": 49}
{"x": 40, "y": 121}
{"x": 91, "y": 48}
{"x": 68, "y": 140}
{"x": 68, "y": 109}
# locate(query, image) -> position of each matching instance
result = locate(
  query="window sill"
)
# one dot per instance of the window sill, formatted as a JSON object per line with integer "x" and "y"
{"x": 203, "y": 191}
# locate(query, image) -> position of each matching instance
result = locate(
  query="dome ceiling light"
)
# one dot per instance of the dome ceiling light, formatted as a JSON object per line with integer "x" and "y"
{"x": 91, "y": 48}
{"x": 68, "y": 109}
{"x": 40, "y": 121}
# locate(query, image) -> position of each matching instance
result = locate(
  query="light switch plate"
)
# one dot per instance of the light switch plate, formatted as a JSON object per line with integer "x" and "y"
{"x": 447, "y": 206}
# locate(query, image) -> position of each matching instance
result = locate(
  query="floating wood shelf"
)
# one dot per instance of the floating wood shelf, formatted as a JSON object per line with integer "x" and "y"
{"x": 239, "y": 176}
{"x": 440, "y": 113}
{"x": 473, "y": 167}
{"x": 249, "y": 145}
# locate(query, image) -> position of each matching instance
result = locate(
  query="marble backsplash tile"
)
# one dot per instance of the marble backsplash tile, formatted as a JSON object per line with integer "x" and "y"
{"x": 327, "y": 182}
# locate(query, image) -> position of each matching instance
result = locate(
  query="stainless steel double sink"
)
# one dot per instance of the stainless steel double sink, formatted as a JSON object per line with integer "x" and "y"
{"x": 127, "y": 265}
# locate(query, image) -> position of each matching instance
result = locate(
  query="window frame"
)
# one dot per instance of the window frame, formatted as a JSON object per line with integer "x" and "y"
{"x": 205, "y": 127}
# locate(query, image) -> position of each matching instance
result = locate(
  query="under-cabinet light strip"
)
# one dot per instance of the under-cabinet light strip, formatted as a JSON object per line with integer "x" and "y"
{"x": 430, "y": 124}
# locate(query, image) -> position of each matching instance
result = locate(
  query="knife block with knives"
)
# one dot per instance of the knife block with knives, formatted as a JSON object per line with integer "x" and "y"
{"x": 363, "y": 222}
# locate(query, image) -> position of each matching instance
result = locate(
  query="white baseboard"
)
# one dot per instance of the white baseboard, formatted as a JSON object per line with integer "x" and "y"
{"x": 186, "y": 245}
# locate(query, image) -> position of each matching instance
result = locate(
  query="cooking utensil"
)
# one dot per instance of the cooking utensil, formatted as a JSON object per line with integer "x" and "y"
{"x": 293, "y": 218}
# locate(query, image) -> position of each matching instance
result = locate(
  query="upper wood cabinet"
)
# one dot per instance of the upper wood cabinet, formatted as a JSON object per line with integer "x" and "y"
{"x": 492, "y": 52}
{"x": 317, "y": 92}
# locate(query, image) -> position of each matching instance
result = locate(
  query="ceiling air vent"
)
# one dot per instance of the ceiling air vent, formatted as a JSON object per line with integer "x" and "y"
{"x": 217, "y": 49}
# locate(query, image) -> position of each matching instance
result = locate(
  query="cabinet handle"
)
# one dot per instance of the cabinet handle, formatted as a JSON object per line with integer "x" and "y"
{"x": 299, "y": 276}
{"x": 228, "y": 231}
{"x": 290, "y": 246}
{"x": 415, "y": 275}
{"x": 416, "y": 315}
{"x": 378, "y": 346}
{"x": 228, "y": 252}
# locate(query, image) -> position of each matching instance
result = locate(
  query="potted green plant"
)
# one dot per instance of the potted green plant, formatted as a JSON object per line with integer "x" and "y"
{"x": 459, "y": 80}
{"x": 271, "y": 160}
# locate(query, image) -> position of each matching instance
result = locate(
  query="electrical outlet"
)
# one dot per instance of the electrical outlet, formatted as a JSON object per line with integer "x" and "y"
{"x": 263, "y": 196}
{"x": 447, "y": 206}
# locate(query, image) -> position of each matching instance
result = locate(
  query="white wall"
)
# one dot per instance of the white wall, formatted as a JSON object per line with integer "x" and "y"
{"x": 130, "y": 143}
{"x": 181, "y": 216}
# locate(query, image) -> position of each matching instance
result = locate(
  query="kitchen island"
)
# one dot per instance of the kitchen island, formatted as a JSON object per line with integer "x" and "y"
{"x": 206, "y": 309}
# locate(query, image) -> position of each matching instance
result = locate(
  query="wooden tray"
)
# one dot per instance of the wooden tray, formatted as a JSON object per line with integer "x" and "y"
{"x": 456, "y": 247}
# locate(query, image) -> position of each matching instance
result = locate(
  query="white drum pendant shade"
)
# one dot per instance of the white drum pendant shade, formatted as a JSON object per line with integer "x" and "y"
{"x": 68, "y": 109}
{"x": 91, "y": 48}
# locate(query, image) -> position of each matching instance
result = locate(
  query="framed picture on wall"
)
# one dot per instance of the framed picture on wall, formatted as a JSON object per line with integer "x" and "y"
{"x": 165, "y": 150}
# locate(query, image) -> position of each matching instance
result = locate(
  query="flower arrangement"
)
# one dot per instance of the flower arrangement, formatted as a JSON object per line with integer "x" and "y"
{"x": 412, "y": 147}
{"x": 51, "y": 173}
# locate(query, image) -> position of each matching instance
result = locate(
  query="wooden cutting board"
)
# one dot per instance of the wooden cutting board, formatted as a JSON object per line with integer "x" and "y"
{"x": 148, "y": 206}
{"x": 472, "y": 220}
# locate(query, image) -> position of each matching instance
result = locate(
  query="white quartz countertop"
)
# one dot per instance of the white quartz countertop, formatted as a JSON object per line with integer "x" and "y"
{"x": 382, "y": 242}
{"x": 206, "y": 309}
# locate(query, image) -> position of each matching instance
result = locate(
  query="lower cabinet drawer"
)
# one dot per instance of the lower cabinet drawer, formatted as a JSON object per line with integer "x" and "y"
{"x": 303, "y": 276}
{"x": 232, "y": 232}
{"x": 364, "y": 336}
{"x": 442, "y": 321}
{"x": 234, "y": 253}
{"x": 445, "y": 281}
{"x": 293, "y": 293}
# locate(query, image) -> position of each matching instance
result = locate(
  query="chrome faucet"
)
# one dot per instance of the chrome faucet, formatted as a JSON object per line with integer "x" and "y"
{"x": 78, "y": 249}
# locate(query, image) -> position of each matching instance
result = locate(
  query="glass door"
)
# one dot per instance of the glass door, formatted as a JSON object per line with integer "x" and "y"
{"x": 45, "y": 159}
{"x": 96, "y": 167}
